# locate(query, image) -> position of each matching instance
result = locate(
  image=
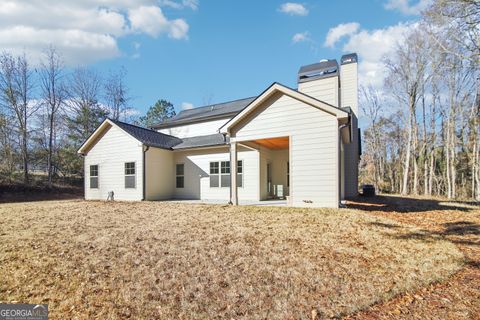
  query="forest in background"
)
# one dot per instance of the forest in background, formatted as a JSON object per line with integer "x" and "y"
{"x": 430, "y": 144}
{"x": 423, "y": 127}
{"x": 47, "y": 112}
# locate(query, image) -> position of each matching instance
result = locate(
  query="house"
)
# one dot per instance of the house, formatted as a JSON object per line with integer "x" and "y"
{"x": 301, "y": 144}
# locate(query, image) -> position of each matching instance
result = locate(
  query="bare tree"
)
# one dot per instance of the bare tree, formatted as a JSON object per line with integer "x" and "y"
{"x": 85, "y": 111}
{"x": 453, "y": 24}
{"x": 53, "y": 96}
{"x": 15, "y": 90}
{"x": 372, "y": 109}
{"x": 116, "y": 94}
{"x": 406, "y": 77}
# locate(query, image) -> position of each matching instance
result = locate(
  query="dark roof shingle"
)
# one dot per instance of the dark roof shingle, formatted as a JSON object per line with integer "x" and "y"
{"x": 149, "y": 137}
{"x": 210, "y": 140}
{"x": 160, "y": 140}
{"x": 207, "y": 112}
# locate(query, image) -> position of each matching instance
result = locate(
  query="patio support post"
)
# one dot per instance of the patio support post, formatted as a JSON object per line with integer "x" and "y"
{"x": 233, "y": 174}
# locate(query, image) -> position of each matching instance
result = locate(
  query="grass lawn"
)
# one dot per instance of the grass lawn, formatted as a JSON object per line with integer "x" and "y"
{"x": 437, "y": 220}
{"x": 170, "y": 260}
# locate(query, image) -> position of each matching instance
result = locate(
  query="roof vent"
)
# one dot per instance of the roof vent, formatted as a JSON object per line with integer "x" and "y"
{"x": 323, "y": 69}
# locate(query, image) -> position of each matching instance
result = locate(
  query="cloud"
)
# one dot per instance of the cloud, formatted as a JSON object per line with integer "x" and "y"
{"x": 83, "y": 31}
{"x": 191, "y": 4}
{"x": 136, "y": 47}
{"x": 340, "y": 31}
{"x": 150, "y": 20}
{"x": 406, "y": 8}
{"x": 294, "y": 9}
{"x": 186, "y": 106}
{"x": 371, "y": 46}
{"x": 301, "y": 37}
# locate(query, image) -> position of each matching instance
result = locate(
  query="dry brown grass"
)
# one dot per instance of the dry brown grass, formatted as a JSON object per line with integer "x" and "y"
{"x": 437, "y": 219}
{"x": 171, "y": 260}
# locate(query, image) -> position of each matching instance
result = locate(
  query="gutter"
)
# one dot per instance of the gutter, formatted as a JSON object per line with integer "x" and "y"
{"x": 144, "y": 151}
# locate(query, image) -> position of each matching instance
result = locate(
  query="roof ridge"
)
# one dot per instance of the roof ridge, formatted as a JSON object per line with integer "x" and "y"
{"x": 143, "y": 128}
{"x": 216, "y": 104}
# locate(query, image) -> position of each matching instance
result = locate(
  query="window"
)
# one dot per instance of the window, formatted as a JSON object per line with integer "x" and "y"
{"x": 214, "y": 175}
{"x": 129, "y": 175}
{"x": 180, "y": 175}
{"x": 240, "y": 173}
{"x": 225, "y": 174}
{"x": 220, "y": 174}
{"x": 94, "y": 177}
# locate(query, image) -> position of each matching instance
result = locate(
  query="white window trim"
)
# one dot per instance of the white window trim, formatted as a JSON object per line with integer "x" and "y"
{"x": 179, "y": 175}
{"x": 130, "y": 175}
{"x": 219, "y": 174}
{"x": 97, "y": 176}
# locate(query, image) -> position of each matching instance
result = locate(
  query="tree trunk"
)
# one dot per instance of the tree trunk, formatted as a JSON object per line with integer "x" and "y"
{"x": 50, "y": 150}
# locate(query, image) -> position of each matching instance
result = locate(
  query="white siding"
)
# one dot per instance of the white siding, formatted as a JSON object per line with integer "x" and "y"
{"x": 195, "y": 129}
{"x": 325, "y": 89}
{"x": 110, "y": 154}
{"x": 349, "y": 88}
{"x": 314, "y": 147}
{"x": 197, "y": 178}
{"x": 159, "y": 175}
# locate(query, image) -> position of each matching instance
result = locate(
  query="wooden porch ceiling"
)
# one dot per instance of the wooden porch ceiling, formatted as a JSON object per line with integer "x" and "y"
{"x": 273, "y": 143}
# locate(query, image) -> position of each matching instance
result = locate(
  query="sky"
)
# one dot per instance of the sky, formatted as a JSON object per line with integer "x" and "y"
{"x": 197, "y": 52}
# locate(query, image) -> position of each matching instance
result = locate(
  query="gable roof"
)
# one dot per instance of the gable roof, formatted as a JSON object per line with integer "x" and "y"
{"x": 277, "y": 87}
{"x": 153, "y": 138}
{"x": 219, "y": 110}
{"x": 149, "y": 137}
{"x": 146, "y": 136}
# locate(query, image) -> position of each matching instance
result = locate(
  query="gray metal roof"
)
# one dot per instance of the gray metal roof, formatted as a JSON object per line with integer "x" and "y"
{"x": 220, "y": 110}
{"x": 210, "y": 140}
{"x": 149, "y": 137}
{"x": 319, "y": 70}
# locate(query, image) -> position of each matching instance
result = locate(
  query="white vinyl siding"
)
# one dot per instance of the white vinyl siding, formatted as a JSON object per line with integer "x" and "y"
{"x": 160, "y": 177}
{"x": 197, "y": 174}
{"x": 314, "y": 148}
{"x": 195, "y": 129}
{"x": 325, "y": 89}
{"x": 110, "y": 154}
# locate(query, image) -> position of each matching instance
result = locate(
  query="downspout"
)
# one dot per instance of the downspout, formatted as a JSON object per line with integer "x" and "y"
{"x": 340, "y": 177}
{"x": 145, "y": 149}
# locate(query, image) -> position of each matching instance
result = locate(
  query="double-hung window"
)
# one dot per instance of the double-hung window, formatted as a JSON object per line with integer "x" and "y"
{"x": 214, "y": 175}
{"x": 220, "y": 174}
{"x": 180, "y": 175}
{"x": 94, "y": 176}
{"x": 130, "y": 175}
{"x": 225, "y": 174}
{"x": 240, "y": 173}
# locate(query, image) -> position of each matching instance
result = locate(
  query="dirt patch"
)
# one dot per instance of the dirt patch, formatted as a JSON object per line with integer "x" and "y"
{"x": 170, "y": 260}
